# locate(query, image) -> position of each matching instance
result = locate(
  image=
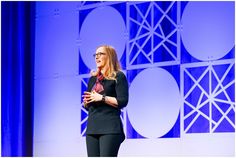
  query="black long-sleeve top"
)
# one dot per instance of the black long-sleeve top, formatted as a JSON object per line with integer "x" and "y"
{"x": 103, "y": 118}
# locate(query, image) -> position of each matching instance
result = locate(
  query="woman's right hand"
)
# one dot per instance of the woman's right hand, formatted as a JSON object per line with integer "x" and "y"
{"x": 89, "y": 97}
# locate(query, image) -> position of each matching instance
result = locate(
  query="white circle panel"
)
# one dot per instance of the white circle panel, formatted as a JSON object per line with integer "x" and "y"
{"x": 208, "y": 29}
{"x": 154, "y": 102}
{"x": 103, "y": 25}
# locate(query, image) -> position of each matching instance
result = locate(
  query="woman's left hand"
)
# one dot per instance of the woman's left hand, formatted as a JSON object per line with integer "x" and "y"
{"x": 91, "y": 97}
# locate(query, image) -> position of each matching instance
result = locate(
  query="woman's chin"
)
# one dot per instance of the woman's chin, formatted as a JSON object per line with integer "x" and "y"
{"x": 99, "y": 66}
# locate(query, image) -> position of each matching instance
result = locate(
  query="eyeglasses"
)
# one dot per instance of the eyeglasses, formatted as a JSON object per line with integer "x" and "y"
{"x": 98, "y": 54}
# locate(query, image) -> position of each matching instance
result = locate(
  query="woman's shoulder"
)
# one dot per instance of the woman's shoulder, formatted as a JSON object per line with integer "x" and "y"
{"x": 92, "y": 77}
{"x": 120, "y": 74}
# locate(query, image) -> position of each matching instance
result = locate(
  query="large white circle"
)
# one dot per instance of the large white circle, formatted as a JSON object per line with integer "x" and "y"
{"x": 154, "y": 102}
{"x": 208, "y": 29}
{"x": 104, "y": 25}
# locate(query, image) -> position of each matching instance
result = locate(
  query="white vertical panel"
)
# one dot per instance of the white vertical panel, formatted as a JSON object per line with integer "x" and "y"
{"x": 56, "y": 51}
{"x": 57, "y": 85}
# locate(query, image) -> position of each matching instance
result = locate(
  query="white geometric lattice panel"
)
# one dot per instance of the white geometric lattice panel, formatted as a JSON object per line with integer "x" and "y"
{"x": 153, "y": 33}
{"x": 208, "y": 91}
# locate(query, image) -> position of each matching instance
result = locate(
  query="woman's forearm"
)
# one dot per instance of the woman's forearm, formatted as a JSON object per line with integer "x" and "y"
{"x": 111, "y": 101}
{"x": 94, "y": 97}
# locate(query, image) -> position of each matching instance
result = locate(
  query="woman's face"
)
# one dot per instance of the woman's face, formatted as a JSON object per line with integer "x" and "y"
{"x": 101, "y": 58}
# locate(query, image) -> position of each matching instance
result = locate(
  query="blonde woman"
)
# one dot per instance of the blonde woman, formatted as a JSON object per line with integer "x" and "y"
{"x": 106, "y": 95}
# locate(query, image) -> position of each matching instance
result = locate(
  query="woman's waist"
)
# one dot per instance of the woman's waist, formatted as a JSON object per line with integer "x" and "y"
{"x": 104, "y": 116}
{"x": 104, "y": 111}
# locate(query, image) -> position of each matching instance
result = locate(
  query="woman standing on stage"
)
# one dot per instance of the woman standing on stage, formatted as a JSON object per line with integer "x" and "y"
{"x": 106, "y": 95}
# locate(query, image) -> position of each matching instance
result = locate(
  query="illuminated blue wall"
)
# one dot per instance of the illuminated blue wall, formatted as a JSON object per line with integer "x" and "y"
{"x": 179, "y": 61}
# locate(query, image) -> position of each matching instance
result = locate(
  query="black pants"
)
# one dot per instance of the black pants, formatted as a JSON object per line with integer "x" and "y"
{"x": 104, "y": 145}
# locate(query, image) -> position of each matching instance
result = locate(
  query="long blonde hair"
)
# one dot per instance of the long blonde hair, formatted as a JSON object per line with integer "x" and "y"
{"x": 112, "y": 61}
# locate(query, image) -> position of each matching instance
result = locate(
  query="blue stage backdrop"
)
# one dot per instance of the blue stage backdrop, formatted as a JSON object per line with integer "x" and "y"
{"x": 179, "y": 60}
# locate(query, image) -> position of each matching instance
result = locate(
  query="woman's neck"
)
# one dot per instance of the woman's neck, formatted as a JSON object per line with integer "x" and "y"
{"x": 103, "y": 70}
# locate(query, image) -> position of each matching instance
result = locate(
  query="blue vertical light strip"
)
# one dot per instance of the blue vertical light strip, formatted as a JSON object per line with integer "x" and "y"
{"x": 21, "y": 72}
{"x": 17, "y": 72}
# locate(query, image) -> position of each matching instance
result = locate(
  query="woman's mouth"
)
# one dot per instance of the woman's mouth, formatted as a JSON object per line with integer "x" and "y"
{"x": 98, "y": 62}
